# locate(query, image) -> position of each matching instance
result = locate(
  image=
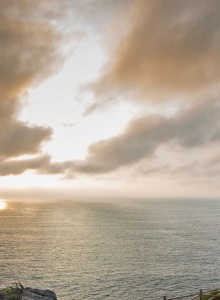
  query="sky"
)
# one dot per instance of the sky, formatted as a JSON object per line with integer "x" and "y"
{"x": 109, "y": 98}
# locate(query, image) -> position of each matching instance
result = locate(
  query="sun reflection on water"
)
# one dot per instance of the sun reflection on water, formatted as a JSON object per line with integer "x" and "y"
{"x": 3, "y": 204}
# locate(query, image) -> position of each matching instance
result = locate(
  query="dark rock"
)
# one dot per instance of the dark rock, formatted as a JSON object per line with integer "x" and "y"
{"x": 18, "y": 292}
{"x": 37, "y": 294}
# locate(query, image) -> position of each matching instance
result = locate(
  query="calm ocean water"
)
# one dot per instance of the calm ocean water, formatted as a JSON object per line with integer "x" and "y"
{"x": 119, "y": 249}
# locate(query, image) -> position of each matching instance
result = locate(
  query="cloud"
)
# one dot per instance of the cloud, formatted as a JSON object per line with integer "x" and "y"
{"x": 29, "y": 46}
{"x": 171, "y": 49}
{"x": 41, "y": 164}
{"x": 170, "y": 52}
{"x": 15, "y": 167}
{"x": 100, "y": 15}
{"x": 31, "y": 33}
{"x": 143, "y": 140}
{"x": 196, "y": 126}
{"x": 20, "y": 139}
{"x": 29, "y": 52}
{"x": 190, "y": 130}
{"x": 54, "y": 168}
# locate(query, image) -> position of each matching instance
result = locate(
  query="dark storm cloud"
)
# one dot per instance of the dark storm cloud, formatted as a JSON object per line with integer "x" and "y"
{"x": 171, "y": 48}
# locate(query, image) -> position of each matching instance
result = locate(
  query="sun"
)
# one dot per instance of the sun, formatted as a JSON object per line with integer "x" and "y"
{"x": 3, "y": 204}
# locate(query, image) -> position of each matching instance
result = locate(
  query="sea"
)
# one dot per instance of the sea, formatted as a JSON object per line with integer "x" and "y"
{"x": 112, "y": 248}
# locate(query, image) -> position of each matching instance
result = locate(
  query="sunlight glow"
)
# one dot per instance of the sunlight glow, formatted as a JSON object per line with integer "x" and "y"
{"x": 3, "y": 204}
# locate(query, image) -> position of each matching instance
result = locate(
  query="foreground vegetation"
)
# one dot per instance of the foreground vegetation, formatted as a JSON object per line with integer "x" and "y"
{"x": 204, "y": 295}
{"x": 212, "y": 295}
{"x": 13, "y": 292}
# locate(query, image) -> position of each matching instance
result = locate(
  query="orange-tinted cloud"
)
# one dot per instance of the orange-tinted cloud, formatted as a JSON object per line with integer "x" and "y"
{"x": 20, "y": 139}
{"x": 190, "y": 129}
{"x": 30, "y": 38}
{"x": 15, "y": 167}
{"x": 193, "y": 127}
{"x": 28, "y": 54}
{"x": 171, "y": 48}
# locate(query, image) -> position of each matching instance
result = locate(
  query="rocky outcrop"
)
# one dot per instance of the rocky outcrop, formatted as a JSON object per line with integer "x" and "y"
{"x": 20, "y": 293}
{"x": 36, "y": 294}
